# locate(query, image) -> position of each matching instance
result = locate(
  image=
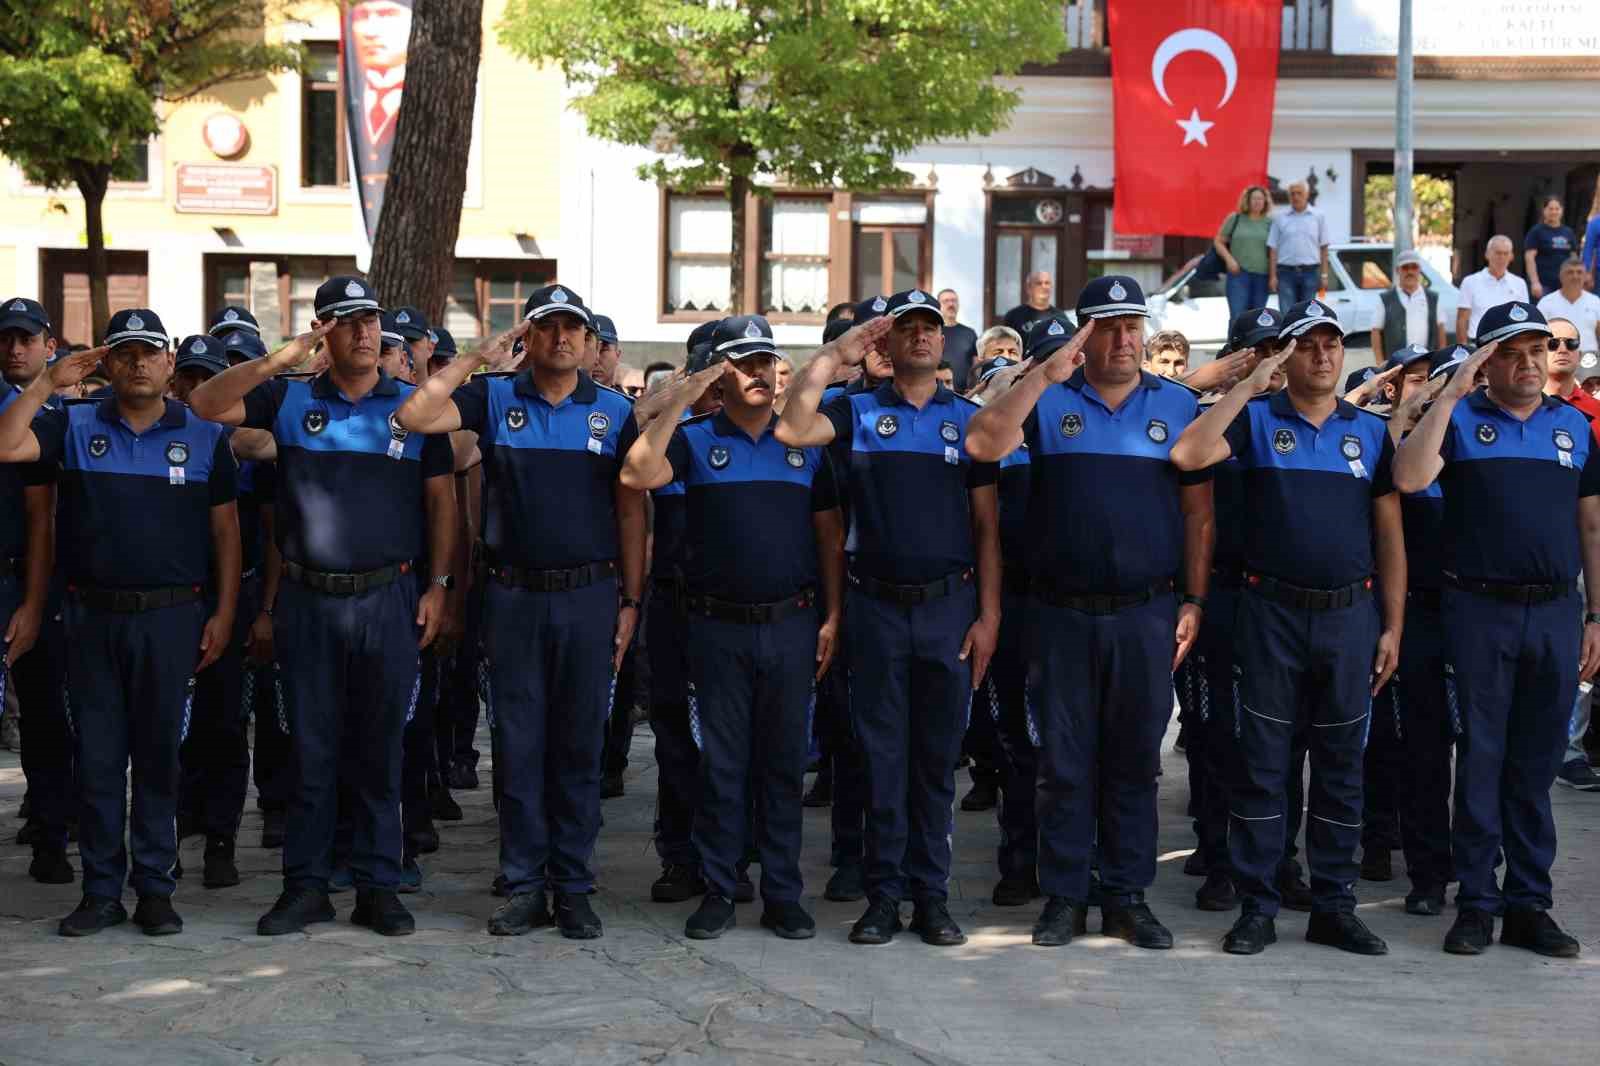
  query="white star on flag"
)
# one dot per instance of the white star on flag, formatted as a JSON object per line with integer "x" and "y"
{"x": 1194, "y": 128}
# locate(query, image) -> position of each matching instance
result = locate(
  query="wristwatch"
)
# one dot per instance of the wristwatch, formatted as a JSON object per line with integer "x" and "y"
{"x": 445, "y": 581}
{"x": 1592, "y": 618}
{"x": 628, "y": 601}
{"x": 1198, "y": 601}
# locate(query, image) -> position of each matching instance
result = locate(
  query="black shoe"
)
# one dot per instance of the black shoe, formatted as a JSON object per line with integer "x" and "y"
{"x": 155, "y": 916}
{"x": 1377, "y": 864}
{"x": 93, "y": 914}
{"x": 1427, "y": 904}
{"x": 789, "y": 920}
{"x": 744, "y": 890}
{"x": 1135, "y": 924}
{"x": 220, "y": 870}
{"x": 1294, "y": 893}
{"x": 522, "y": 913}
{"x": 846, "y": 885}
{"x": 1343, "y": 930}
{"x": 1471, "y": 933}
{"x": 983, "y": 796}
{"x": 933, "y": 923}
{"x": 1196, "y": 865}
{"x": 879, "y": 924}
{"x": 678, "y": 881}
{"x": 1250, "y": 935}
{"x": 1016, "y": 890}
{"x": 711, "y": 919}
{"x": 29, "y": 834}
{"x": 51, "y": 868}
{"x": 297, "y": 908}
{"x": 272, "y": 828}
{"x": 577, "y": 919}
{"x": 1060, "y": 921}
{"x": 497, "y": 888}
{"x": 444, "y": 806}
{"x": 1217, "y": 894}
{"x": 462, "y": 776}
{"x": 611, "y": 786}
{"x": 423, "y": 839}
{"x": 380, "y": 910}
{"x": 820, "y": 794}
{"x": 1527, "y": 927}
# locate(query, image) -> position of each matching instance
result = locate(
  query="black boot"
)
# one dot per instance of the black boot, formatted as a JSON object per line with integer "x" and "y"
{"x": 1528, "y": 927}
{"x": 714, "y": 917}
{"x": 1217, "y": 894}
{"x": 878, "y": 924}
{"x": 50, "y": 867}
{"x": 1135, "y": 924}
{"x": 220, "y": 869}
{"x": 1471, "y": 933}
{"x": 93, "y": 914}
{"x": 1060, "y": 921}
{"x": 846, "y": 885}
{"x": 1250, "y": 935}
{"x": 678, "y": 882}
{"x": 295, "y": 909}
{"x": 380, "y": 910}
{"x": 932, "y": 922}
{"x": 522, "y": 913}
{"x": 155, "y": 916}
{"x": 576, "y": 919}
{"x": 1343, "y": 930}
{"x": 1016, "y": 890}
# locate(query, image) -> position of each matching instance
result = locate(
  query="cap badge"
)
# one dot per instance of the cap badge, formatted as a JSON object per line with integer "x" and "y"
{"x": 1117, "y": 292}
{"x": 1314, "y": 308}
{"x": 199, "y": 347}
{"x": 516, "y": 418}
{"x": 1459, "y": 353}
{"x": 99, "y": 444}
{"x": 559, "y": 296}
{"x": 1563, "y": 440}
{"x": 599, "y": 422}
{"x": 950, "y": 432}
{"x": 315, "y": 421}
{"x": 1156, "y": 431}
{"x": 1264, "y": 318}
{"x": 1517, "y": 313}
{"x": 1487, "y": 433}
{"x": 1589, "y": 361}
{"x": 915, "y": 296}
{"x": 230, "y": 315}
{"x": 1350, "y": 448}
{"x": 18, "y": 305}
{"x": 1283, "y": 441}
{"x": 1056, "y": 329}
{"x": 888, "y": 425}
{"x": 1418, "y": 349}
{"x": 354, "y": 289}
{"x": 1071, "y": 424}
{"x": 403, "y": 316}
{"x": 880, "y": 304}
{"x": 177, "y": 453}
{"x": 135, "y": 322}
{"x": 396, "y": 430}
{"x": 718, "y": 456}
{"x": 795, "y": 458}
{"x": 752, "y": 330}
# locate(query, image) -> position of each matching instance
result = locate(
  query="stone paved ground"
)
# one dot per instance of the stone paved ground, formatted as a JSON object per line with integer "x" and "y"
{"x": 453, "y": 995}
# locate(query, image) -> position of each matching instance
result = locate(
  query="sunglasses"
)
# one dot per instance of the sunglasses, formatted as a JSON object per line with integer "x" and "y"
{"x": 1555, "y": 344}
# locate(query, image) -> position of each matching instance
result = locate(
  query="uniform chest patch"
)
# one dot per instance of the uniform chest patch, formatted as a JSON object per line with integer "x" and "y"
{"x": 1071, "y": 424}
{"x": 888, "y": 425}
{"x": 1350, "y": 447}
{"x": 516, "y": 418}
{"x": 1283, "y": 441}
{"x": 950, "y": 432}
{"x": 795, "y": 458}
{"x": 314, "y": 421}
{"x": 177, "y": 453}
{"x": 599, "y": 422}
{"x": 718, "y": 457}
{"x": 99, "y": 444}
{"x": 396, "y": 430}
{"x": 1156, "y": 431}
{"x": 1487, "y": 434}
{"x": 1563, "y": 440}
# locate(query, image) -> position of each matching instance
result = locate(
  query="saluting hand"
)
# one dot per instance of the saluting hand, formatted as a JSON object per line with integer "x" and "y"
{"x": 294, "y": 353}
{"x": 498, "y": 350}
{"x": 1386, "y": 659}
{"x": 213, "y": 640}
{"x": 979, "y": 644}
{"x": 1363, "y": 393}
{"x": 852, "y": 347}
{"x": 1466, "y": 375}
{"x": 1261, "y": 376}
{"x": 1065, "y": 360}
{"x": 1409, "y": 409}
{"x": 68, "y": 371}
{"x": 1186, "y": 632}
{"x": 1001, "y": 381}
{"x": 675, "y": 395}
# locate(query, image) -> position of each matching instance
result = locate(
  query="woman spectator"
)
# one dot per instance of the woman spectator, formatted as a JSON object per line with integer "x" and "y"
{"x": 1242, "y": 244}
{"x": 1546, "y": 247}
{"x": 1591, "y": 241}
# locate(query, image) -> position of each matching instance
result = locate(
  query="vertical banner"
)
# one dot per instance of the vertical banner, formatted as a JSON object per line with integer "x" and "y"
{"x": 374, "y": 35}
{"x": 1192, "y": 85}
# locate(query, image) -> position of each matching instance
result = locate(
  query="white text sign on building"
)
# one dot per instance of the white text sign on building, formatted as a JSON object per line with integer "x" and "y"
{"x": 1469, "y": 27}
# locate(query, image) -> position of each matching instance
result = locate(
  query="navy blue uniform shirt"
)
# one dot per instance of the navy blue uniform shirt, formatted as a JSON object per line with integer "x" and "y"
{"x": 1228, "y": 505}
{"x": 1013, "y": 490}
{"x": 748, "y": 531}
{"x": 908, "y": 475}
{"x": 1423, "y": 516}
{"x": 1104, "y": 514}
{"x": 1309, "y": 490}
{"x": 1511, "y": 491}
{"x": 14, "y": 477}
{"x": 549, "y": 473}
{"x": 134, "y": 509}
{"x": 349, "y": 478}
{"x": 257, "y": 483}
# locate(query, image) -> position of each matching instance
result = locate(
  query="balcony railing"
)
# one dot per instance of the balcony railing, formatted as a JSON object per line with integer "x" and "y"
{"x": 1305, "y": 25}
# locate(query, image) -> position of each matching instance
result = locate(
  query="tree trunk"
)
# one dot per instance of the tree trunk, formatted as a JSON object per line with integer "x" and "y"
{"x": 92, "y": 183}
{"x": 413, "y": 251}
{"x": 738, "y": 186}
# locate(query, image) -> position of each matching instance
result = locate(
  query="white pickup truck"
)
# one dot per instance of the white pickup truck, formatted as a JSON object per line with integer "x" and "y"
{"x": 1358, "y": 273}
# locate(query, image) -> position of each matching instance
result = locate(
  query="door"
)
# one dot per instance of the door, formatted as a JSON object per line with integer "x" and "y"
{"x": 66, "y": 289}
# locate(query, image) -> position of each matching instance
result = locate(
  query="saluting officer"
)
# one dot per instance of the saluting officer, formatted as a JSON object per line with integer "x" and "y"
{"x": 361, "y": 502}
{"x": 1107, "y": 627}
{"x": 565, "y": 548}
{"x": 143, "y": 466}
{"x": 763, "y": 549}
{"x": 1307, "y": 641}
{"x": 924, "y": 529}
{"x": 1521, "y": 486}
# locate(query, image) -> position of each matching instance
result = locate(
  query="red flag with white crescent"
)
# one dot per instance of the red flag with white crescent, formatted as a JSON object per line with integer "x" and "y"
{"x": 1192, "y": 83}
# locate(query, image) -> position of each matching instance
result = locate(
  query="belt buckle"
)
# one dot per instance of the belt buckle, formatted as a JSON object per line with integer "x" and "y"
{"x": 341, "y": 585}
{"x": 124, "y": 602}
{"x": 556, "y": 580}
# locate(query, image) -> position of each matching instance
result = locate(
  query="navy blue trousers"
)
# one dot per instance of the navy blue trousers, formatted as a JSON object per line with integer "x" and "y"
{"x": 1101, "y": 688}
{"x": 1212, "y": 749}
{"x": 131, "y": 682}
{"x": 1511, "y": 672}
{"x": 548, "y": 661}
{"x": 910, "y": 695}
{"x": 1005, "y": 691}
{"x": 750, "y": 711}
{"x": 841, "y": 750}
{"x": 350, "y": 674}
{"x": 677, "y": 757}
{"x": 274, "y": 776}
{"x": 216, "y": 754}
{"x": 419, "y": 755}
{"x": 40, "y": 680}
{"x": 1419, "y": 710}
{"x": 455, "y": 719}
{"x": 1296, "y": 666}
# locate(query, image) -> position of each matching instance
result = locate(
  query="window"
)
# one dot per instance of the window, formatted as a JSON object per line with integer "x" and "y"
{"x": 699, "y": 243}
{"x": 141, "y": 163}
{"x": 794, "y": 256}
{"x": 299, "y": 279}
{"x": 323, "y": 155}
{"x": 497, "y": 290}
{"x": 889, "y": 246}
{"x": 1027, "y": 236}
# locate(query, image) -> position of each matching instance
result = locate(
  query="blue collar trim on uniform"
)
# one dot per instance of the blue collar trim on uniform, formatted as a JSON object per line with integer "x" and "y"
{"x": 723, "y": 426}
{"x": 323, "y": 388}
{"x": 887, "y": 394}
{"x": 172, "y": 417}
{"x": 1478, "y": 399}
{"x": 1282, "y": 406}
{"x": 585, "y": 392}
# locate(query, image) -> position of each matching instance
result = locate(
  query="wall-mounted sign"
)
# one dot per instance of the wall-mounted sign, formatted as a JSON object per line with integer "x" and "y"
{"x": 1468, "y": 28}
{"x": 227, "y": 189}
{"x": 225, "y": 135}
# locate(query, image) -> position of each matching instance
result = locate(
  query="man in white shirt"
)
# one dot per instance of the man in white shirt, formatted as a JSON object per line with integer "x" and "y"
{"x": 1410, "y": 311}
{"x": 1574, "y": 304}
{"x": 1489, "y": 287}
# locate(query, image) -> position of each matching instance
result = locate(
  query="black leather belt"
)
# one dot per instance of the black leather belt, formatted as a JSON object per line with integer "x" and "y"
{"x": 1226, "y": 577}
{"x": 912, "y": 595}
{"x": 132, "y": 601}
{"x": 1308, "y": 599}
{"x": 750, "y": 613}
{"x": 1429, "y": 599}
{"x": 344, "y": 584}
{"x": 1098, "y": 602}
{"x": 1528, "y": 595}
{"x": 578, "y": 577}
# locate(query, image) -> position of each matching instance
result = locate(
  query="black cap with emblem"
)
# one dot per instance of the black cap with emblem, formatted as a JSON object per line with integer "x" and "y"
{"x": 1509, "y": 319}
{"x": 202, "y": 351}
{"x": 742, "y": 336}
{"x": 233, "y": 318}
{"x": 1047, "y": 334}
{"x": 1308, "y": 315}
{"x": 27, "y": 315}
{"x": 409, "y": 322}
{"x": 344, "y": 295}
{"x": 555, "y": 300}
{"x": 911, "y": 302}
{"x": 136, "y": 324}
{"x": 1108, "y": 297}
{"x": 870, "y": 308}
{"x": 1250, "y": 328}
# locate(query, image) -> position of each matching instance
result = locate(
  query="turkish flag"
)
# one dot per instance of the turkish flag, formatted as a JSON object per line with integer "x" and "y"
{"x": 1192, "y": 83}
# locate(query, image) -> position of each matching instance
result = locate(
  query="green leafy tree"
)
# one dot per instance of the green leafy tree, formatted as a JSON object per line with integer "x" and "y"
{"x": 82, "y": 84}
{"x": 1432, "y": 207}
{"x": 812, "y": 92}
